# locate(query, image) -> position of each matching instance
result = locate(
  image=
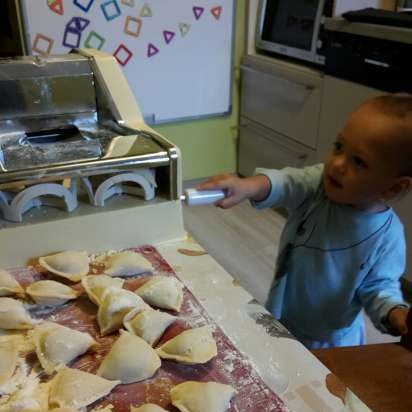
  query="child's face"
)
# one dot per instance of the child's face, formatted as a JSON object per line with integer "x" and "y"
{"x": 362, "y": 166}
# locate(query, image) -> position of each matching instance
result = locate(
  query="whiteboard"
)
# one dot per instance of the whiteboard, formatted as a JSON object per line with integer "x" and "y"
{"x": 175, "y": 54}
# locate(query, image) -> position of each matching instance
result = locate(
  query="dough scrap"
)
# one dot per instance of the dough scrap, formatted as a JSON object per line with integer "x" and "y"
{"x": 57, "y": 345}
{"x": 74, "y": 388}
{"x": 115, "y": 304}
{"x": 13, "y": 315}
{"x": 147, "y": 407}
{"x": 164, "y": 292}
{"x": 194, "y": 396}
{"x": 9, "y": 285}
{"x": 130, "y": 359}
{"x": 95, "y": 285}
{"x": 149, "y": 324}
{"x": 71, "y": 264}
{"x": 50, "y": 293}
{"x": 8, "y": 359}
{"x": 192, "y": 346}
{"x": 126, "y": 263}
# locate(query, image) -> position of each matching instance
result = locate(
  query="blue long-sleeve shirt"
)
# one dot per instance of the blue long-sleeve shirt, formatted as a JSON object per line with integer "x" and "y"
{"x": 333, "y": 261}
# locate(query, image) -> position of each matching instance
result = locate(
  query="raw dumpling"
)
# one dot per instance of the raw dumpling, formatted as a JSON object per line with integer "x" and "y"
{"x": 13, "y": 315}
{"x": 193, "y": 396}
{"x": 116, "y": 303}
{"x": 190, "y": 347}
{"x": 149, "y": 324}
{"x": 165, "y": 292}
{"x": 50, "y": 293}
{"x": 72, "y": 264}
{"x": 8, "y": 359}
{"x": 57, "y": 345}
{"x": 95, "y": 285}
{"x": 148, "y": 407}
{"x": 131, "y": 359}
{"x": 8, "y": 285}
{"x": 77, "y": 389}
{"x": 126, "y": 263}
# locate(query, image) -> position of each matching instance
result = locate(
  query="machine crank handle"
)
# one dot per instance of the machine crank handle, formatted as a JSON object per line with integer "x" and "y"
{"x": 194, "y": 197}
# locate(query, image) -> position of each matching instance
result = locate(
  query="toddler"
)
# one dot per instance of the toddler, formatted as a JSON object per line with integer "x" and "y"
{"x": 343, "y": 247}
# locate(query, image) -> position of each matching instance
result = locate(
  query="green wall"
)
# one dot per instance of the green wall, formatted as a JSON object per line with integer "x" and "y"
{"x": 209, "y": 146}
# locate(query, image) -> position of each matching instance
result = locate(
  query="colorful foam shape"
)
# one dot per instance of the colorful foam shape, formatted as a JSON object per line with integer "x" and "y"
{"x": 146, "y": 11}
{"x": 198, "y": 11}
{"x": 130, "y": 21}
{"x": 129, "y": 3}
{"x": 184, "y": 28}
{"x": 168, "y": 36}
{"x": 152, "y": 50}
{"x": 78, "y": 24}
{"x": 123, "y": 54}
{"x": 216, "y": 12}
{"x": 84, "y": 4}
{"x": 56, "y": 6}
{"x": 71, "y": 38}
{"x": 110, "y": 9}
{"x": 94, "y": 41}
{"x": 42, "y": 44}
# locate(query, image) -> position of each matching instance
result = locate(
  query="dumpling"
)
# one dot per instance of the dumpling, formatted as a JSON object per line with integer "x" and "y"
{"x": 190, "y": 347}
{"x": 193, "y": 396}
{"x": 126, "y": 263}
{"x": 95, "y": 285}
{"x": 130, "y": 359}
{"x": 50, "y": 293}
{"x": 57, "y": 345}
{"x": 165, "y": 292}
{"x": 115, "y": 304}
{"x": 148, "y": 407}
{"x": 8, "y": 359}
{"x": 149, "y": 324}
{"x": 77, "y": 389}
{"x": 8, "y": 285}
{"x": 72, "y": 264}
{"x": 13, "y": 315}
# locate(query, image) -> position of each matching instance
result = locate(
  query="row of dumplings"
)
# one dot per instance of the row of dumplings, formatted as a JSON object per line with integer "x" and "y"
{"x": 72, "y": 389}
{"x": 131, "y": 358}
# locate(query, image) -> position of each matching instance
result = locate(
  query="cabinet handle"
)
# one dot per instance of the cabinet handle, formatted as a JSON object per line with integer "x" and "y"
{"x": 307, "y": 87}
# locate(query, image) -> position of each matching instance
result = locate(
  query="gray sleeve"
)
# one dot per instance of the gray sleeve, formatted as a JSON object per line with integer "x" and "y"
{"x": 289, "y": 186}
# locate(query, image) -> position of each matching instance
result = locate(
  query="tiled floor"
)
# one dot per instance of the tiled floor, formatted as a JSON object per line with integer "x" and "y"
{"x": 245, "y": 242}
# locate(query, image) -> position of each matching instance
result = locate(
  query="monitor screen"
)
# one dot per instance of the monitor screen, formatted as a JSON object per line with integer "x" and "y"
{"x": 290, "y": 22}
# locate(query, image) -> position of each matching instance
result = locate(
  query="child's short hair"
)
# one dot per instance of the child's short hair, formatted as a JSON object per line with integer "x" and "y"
{"x": 399, "y": 106}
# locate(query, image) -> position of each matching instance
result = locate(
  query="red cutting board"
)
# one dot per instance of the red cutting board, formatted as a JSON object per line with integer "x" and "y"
{"x": 229, "y": 366}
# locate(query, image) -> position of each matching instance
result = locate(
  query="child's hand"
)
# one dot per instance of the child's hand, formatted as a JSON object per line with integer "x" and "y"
{"x": 397, "y": 319}
{"x": 237, "y": 189}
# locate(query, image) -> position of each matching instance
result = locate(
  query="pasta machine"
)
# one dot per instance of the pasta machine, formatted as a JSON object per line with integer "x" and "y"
{"x": 72, "y": 136}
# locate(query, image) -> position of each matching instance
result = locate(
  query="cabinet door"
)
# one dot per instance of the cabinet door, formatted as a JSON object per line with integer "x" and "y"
{"x": 262, "y": 147}
{"x": 340, "y": 99}
{"x": 288, "y": 103}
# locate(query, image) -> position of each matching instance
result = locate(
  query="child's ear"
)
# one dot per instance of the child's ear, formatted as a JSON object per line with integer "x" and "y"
{"x": 402, "y": 185}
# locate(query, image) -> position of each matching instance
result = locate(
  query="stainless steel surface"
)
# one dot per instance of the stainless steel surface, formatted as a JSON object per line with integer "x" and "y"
{"x": 58, "y": 120}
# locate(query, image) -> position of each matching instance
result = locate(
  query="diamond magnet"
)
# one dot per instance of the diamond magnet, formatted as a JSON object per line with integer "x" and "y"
{"x": 42, "y": 44}
{"x": 123, "y": 55}
{"x": 110, "y": 9}
{"x": 94, "y": 41}
{"x": 71, "y": 38}
{"x": 128, "y": 26}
